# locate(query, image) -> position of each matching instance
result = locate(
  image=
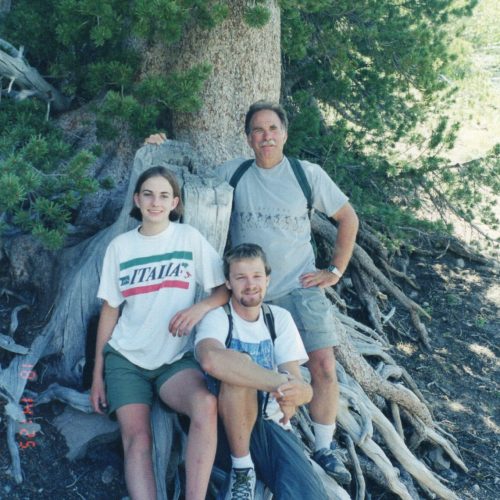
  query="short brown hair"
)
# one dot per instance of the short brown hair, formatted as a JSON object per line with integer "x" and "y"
{"x": 265, "y": 105}
{"x": 243, "y": 252}
{"x": 178, "y": 211}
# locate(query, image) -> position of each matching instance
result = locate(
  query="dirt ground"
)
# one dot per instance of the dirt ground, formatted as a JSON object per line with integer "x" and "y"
{"x": 459, "y": 379}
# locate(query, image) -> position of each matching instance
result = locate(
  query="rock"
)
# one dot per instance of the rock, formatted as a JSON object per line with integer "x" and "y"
{"x": 82, "y": 430}
{"x": 460, "y": 263}
{"x": 476, "y": 488}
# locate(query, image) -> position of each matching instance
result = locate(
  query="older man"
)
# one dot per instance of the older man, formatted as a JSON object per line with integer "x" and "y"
{"x": 271, "y": 210}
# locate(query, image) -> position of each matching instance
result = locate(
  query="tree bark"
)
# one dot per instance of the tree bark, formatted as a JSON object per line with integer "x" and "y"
{"x": 246, "y": 67}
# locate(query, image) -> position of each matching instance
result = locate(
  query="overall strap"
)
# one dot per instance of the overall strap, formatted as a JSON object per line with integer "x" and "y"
{"x": 227, "y": 310}
{"x": 269, "y": 321}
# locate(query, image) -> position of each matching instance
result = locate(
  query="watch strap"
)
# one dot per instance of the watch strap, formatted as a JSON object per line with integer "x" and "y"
{"x": 334, "y": 269}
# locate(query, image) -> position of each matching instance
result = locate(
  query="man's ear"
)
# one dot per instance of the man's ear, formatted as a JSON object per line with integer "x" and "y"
{"x": 228, "y": 285}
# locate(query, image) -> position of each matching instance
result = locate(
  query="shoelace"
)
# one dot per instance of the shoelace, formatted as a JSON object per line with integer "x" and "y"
{"x": 241, "y": 489}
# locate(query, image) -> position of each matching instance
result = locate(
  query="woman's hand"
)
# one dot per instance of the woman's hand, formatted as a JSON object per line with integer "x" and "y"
{"x": 184, "y": 321}
{"x": 98, "y": 395}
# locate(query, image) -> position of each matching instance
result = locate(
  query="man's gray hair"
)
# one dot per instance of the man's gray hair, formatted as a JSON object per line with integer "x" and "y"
{"x": 243, "y": 252}
{"x": 261, "y": 106}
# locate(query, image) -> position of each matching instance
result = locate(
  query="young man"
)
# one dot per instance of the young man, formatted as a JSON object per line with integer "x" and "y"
{"x": 251, "y": 367}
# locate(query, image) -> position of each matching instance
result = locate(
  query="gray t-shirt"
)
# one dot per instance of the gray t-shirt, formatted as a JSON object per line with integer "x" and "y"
{"x": 271, "y": 210}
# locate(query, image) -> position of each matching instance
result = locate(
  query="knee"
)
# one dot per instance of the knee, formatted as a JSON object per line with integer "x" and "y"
{"x": 137, "y": 442}
{"x": 322, "y": 368}
{"x": 204, "y": 410}
{"x": 231, "y": 396}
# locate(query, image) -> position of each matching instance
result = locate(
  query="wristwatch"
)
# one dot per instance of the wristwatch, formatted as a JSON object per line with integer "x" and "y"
{"x": 334, "y": 269}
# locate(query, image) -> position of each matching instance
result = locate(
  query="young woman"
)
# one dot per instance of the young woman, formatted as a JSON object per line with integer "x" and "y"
{"x": 148, "y": 288}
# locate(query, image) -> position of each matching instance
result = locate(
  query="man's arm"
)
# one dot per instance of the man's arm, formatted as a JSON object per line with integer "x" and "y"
{"x": 156, "y": 139}
{"x": 235, "y": 367}
{"x": 347, "y": 229}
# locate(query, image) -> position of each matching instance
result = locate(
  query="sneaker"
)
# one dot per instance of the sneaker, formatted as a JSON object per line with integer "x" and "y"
{"x": 241, "y": 485}
{"x": 332, "y": 465}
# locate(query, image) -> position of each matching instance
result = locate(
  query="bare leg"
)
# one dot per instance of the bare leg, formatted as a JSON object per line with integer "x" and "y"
{"x": 134, "y": 420}
{"x": 324, "y": 404}
{"x": 238, "y": 410}
{"x": 186, "y": 393}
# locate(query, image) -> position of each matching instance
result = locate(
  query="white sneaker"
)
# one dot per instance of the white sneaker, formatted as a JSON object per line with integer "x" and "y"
{"x": 241, "y": 485}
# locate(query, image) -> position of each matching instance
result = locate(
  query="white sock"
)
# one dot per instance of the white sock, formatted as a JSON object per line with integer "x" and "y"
{"x": 323, "y": 435}
{"x": 242, "y": 462}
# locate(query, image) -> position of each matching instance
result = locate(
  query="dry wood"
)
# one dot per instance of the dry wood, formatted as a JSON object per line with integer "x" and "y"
{"x": 360, "y": 480}
{"x": 372, "y": 383}
{"x": 17, "y": 70}
{"x": 9, "y": 344}
{"x": 367, "y": 293}
{"x": 397, "y": 446}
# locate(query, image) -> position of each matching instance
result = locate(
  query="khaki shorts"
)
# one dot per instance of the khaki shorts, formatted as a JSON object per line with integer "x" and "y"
{"x": 313, "y": 315}
{"x": 127, "y": 383}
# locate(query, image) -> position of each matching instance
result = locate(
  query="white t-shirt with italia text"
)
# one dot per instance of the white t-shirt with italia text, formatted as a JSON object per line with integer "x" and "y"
{"x": 154, "y": 277}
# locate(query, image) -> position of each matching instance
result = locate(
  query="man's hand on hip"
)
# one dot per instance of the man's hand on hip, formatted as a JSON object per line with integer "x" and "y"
{"x": 321, "y": 279}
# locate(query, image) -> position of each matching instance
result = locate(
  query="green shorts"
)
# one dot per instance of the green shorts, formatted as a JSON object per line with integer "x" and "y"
{"x": 313, "y": 315}
{"x": 127, "y": 383}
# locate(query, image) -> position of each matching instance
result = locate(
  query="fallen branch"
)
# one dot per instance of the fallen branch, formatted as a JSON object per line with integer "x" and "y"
{"x": 18, "y": 71}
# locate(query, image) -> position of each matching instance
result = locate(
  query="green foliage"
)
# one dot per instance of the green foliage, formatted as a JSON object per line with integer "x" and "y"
{"x": 363, "y": 81}
{"x": 257, "y": 16}
{"x": 42, "y": 182}
{"x": 360, "y": 82}
{"x": 85, "y": 45}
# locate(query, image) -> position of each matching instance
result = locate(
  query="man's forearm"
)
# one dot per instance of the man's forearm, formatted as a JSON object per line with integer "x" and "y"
{"x": 218, "y": 297}
{"x": 237, "y": 368}
{"x": 347, "y": 230}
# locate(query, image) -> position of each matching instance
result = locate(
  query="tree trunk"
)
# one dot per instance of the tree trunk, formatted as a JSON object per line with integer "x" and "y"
{"x": 246, "y": 67}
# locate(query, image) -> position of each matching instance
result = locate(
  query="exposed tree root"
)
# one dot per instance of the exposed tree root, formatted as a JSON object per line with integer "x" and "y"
{"x": 362, "y": 261}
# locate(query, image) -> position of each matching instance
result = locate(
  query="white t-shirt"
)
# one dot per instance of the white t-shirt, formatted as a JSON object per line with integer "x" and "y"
{"x": 155, "y": 277}
{"x": 270, "y": 210}
{"x": 254, "y": 338}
